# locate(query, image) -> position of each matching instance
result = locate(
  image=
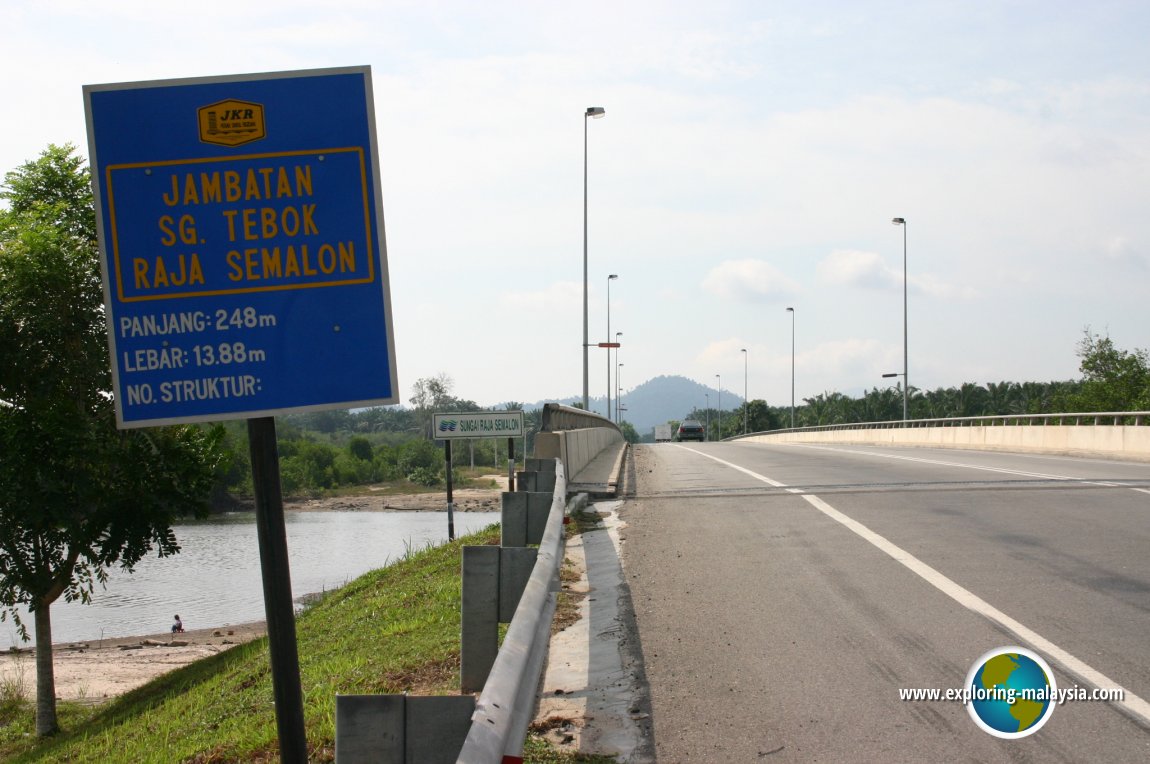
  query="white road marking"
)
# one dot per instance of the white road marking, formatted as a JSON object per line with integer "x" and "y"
{"x": 1021, "y": 473}
{"x": 1132, "y": 704}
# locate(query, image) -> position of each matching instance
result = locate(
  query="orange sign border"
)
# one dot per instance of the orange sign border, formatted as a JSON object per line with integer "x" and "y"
{"x": 115, "y": 240}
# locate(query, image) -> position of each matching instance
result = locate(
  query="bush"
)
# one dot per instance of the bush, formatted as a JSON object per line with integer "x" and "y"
{"x": 418, "y": 453}
{"x": 425, "y": 476}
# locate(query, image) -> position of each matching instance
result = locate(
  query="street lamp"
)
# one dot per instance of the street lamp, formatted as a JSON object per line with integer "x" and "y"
{"x": 905, "y": 364}
{"x": 746, "y": 401}
{"x": 619, "y": 408}
{"x": 792, "y": 312}
{"x": 595, "y": 112}
{"x": 618, "y": 385}
{"x": 707, "y": 435}
{"x": 610, "y": 278}
{"x": 898, "y": 374}
{"x": 719, "y": 413}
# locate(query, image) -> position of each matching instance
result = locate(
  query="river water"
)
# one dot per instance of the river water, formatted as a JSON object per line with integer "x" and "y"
{"x": 215, "y": 579}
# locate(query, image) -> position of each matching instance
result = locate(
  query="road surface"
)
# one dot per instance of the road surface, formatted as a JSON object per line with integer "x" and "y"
{"x": 784, "y": 595}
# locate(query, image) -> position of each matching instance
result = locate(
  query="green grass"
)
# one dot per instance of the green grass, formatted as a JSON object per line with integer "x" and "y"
{"x": 390, "y": 631}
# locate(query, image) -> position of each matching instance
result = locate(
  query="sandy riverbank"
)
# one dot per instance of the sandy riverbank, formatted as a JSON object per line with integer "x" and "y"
{"x": 99, "y": 670}
{"x": 466, "y": 500}
{"x": 487, "y": 499}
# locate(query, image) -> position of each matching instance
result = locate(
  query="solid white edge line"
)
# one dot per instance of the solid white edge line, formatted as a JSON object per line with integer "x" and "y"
{"x": 1022, "y": 473}
{"x": 1132, "y": 703}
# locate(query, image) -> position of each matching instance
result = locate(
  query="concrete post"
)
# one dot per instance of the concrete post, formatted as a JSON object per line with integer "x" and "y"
{"x": 436, "y": 727}
{"x": 369, "y": 728}
{"x": 479, "y": 630}
{"x": 527, "y": 481}
{"x": 524, "y": 517}
{"x": 396, "y": 729}
{"x": 515, "y": 566}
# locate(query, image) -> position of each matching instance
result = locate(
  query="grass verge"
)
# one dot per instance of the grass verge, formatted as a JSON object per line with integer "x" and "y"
{"x": 390, "y": 631}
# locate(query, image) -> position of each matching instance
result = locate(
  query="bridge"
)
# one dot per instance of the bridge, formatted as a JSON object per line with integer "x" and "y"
{"x": 781, "y": 589}
{"x": 801, "y": 595}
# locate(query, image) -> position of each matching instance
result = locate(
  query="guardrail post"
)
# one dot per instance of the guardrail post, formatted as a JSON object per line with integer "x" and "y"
{"x": 540, "y": 465}
{"x": 479, "y": 628}
{"x": 534, "y": 480}
{"x": 524, "y": 517}
{"x": 436, "y": 727}
{"x": 526, "y": 480}
{"x": 396, "y": 729}
{"x": 515, "y": 566}
{"x": 493, "y": 582}
{"x": 369, "y": 728}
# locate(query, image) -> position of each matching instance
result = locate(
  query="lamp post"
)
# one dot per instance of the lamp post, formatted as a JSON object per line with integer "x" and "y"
{"x": 792, "y": 312}
{"x": 905, "y": 355}
{"x": 719, "y": 413}
{"x": 619, "y": 409}
{"x": 595, "y": 112}
{"x": 898, "y": 374}
{"x": 746, "y": 401}
{"x": 610, "y": 278}
{"x": 618, "y": 385}
{"x": 707, "y": 435}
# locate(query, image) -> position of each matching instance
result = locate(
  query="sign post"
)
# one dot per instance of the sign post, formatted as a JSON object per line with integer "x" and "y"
{"x": 245, "y": 275}
{"x": 450, "y": 498}
{"x": 476, "y": 424}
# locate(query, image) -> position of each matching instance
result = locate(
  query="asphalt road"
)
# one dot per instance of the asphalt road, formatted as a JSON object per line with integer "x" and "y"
{"x": 784, "y": 595}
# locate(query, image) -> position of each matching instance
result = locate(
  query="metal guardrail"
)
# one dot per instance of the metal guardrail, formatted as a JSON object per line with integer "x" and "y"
{"x": 506, "y": 704}
{"x": 557, "y": 417}
{"x": 1093, "y": 418}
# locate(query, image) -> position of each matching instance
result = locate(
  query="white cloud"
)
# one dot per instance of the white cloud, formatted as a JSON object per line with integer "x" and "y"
{"x": 1121, "y": 249}
{"x": 749, "y": 281}
{"x": 870, "y": 271}
{"x": 858, "y": 268}
{"x": 560, "y": 296}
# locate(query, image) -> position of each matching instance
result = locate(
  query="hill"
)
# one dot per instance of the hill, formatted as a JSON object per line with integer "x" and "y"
{"x": 660, "y": 400}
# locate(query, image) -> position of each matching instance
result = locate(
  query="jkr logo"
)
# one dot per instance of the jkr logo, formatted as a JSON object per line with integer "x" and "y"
{"x": 231, "y": 123}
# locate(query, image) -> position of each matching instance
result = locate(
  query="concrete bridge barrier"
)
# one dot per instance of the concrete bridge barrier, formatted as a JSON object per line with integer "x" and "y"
{"x": 575, "y": 437}
{"x": 1123, "y": 435}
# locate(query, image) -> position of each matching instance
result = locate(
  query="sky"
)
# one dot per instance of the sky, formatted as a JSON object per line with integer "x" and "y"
{"x": 751, "y": 159}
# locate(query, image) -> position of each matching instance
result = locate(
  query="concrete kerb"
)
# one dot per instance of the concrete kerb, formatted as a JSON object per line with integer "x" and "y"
{"x": 617, "y": 470}
{"x": 591, "y": 696}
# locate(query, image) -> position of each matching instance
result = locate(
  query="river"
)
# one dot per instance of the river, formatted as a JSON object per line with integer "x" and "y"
{"x": 215, "y": 579}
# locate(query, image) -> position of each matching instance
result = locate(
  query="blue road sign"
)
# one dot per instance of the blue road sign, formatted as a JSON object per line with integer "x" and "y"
{"x": 242, "y": 243}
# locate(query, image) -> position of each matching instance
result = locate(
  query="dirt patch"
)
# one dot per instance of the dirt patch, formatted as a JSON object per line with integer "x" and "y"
{"x": 99, "y": 670}
{"x": 466, "y": 500}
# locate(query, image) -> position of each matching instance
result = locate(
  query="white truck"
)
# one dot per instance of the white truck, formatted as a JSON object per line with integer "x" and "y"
{"x": 662, "y": 433}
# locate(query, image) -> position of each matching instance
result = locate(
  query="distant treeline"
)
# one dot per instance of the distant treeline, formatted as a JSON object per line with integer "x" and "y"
{"x": 325, "y": 450}
{"x": 328, "y": 450}
{"x": 1113, "y": 380}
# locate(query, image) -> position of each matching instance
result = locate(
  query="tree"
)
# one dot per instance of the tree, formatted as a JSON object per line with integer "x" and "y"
{"x": 1113, "y": 379}
{"x": 77, "y": 496}
{"x": 433, "y": 394}
{"x": 761, "y": 417}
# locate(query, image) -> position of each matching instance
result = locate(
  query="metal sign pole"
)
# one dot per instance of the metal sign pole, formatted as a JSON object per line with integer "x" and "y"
{"x": 277, "y": 590}
{"x": 510, "y": 464}
{"x": 450, "y": 505}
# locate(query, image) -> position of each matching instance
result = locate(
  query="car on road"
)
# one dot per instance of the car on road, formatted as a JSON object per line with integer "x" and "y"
{"x": 689, "y": 429}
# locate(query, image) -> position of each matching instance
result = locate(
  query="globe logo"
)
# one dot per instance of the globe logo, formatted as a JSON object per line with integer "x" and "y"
{"x": 1012, "y": 692}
